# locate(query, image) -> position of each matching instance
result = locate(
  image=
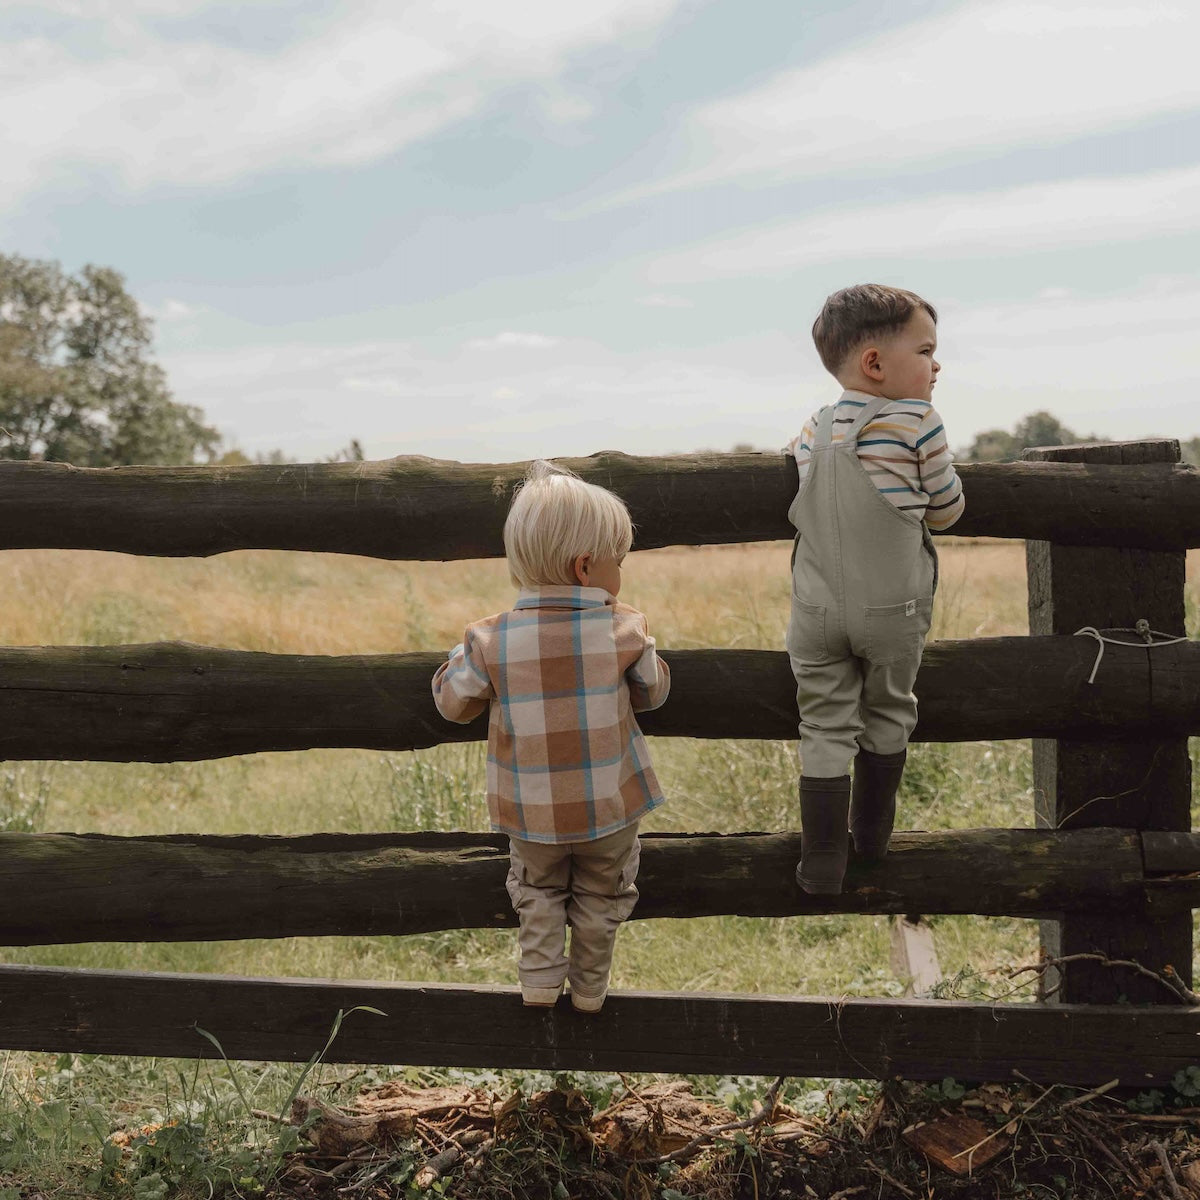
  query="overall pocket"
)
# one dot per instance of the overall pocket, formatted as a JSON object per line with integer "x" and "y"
{"x": 806, "y": 640}
{"x": 896, "y": 632}
{"x": 627, "y": 893}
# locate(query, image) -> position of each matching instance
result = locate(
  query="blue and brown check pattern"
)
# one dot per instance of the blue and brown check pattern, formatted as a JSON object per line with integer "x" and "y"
{"x": 563, "y": 673}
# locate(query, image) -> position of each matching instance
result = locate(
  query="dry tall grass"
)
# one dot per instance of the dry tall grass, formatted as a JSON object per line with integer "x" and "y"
{"x": 329, "y": 604}
{"x": 300, "y": 603}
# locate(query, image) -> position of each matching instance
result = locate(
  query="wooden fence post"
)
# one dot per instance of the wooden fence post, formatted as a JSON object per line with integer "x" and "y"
{"x": 1142, "y": 783}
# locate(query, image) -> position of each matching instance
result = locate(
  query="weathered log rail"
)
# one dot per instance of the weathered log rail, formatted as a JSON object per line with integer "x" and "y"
{"x": 288, "y": 1020}
{"x": 174, "y": 701}
{"x": 424, "y": 508}
{"x": 1080, "y": 780}
{"x": 1116, "y": 761}
{"x": 80, "y": 888}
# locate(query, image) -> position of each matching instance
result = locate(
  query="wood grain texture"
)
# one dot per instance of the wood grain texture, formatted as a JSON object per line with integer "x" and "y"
{"x": 424, "y": 508}
{"x": 1086, "y": 779}
{"x": 288, "y": 1020}
{"x": 174, "y": 701}
{"x": 78, "y": 888}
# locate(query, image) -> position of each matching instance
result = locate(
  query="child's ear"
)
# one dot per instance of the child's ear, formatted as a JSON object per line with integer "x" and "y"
{"x": 870, "y": 362}
{"x": 582, "y": 566}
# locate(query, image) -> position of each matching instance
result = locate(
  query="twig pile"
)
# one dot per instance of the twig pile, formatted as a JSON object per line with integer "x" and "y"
{"x": 902, "y": 1141}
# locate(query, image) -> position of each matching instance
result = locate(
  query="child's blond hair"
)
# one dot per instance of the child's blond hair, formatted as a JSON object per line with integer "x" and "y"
{"x": 554, "y": 518}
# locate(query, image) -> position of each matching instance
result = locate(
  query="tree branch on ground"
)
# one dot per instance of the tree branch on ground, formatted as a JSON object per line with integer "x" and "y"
{"x": 1167, "y": 976}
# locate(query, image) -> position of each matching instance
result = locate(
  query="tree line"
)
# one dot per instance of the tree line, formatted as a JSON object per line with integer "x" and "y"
{"x": 1043, "y": 429}
{"x": 78, "y": 380}
{"x": 78, "y": 383}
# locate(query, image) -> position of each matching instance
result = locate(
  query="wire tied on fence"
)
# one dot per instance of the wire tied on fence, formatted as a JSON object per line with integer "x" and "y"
{"x": 1151, "y": 639}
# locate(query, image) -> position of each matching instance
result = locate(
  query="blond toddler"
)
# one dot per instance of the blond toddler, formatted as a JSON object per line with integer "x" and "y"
{"x": 568, "y": 772}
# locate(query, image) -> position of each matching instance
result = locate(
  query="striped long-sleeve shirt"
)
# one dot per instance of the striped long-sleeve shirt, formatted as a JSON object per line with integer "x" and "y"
{"x": 563, "y": 674}
{"x": 903, "y": 450}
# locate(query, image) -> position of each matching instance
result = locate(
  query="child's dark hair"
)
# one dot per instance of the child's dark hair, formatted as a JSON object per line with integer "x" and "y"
{"x": 855, "y": 314}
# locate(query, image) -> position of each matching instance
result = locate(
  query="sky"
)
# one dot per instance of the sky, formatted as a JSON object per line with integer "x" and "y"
{"x": 492, "y": 231}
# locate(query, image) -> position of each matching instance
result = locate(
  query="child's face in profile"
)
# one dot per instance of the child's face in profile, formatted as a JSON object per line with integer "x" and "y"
{"x": 906, "y": 360}
{"x": 599, "y": 572}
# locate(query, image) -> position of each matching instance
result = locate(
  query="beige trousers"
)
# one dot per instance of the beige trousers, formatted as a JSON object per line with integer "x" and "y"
{"x": 847, "y": 703}
{"x": 587, "y": 885}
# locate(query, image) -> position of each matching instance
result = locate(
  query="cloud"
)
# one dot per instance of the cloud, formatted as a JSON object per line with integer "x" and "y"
{"x": 152, "y": 110}
{"x": 511, "y": 340}
{"x": 1038, "y": 217}
{"x": 1119, "y": 364}
{"x": 176, "y": 310}
{"x": 1085, "y": 353}
{"x": 660, "y": 300}
{"x": 402, "y": 399}
{"x": 114, "y": 10}
{"x": 1061, "y": 317}
{"x": 985, "y": 76}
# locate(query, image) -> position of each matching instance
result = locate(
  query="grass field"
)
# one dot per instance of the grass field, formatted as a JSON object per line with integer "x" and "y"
{"x": 57, "y": 1111}
{"x": 328, "y": 604}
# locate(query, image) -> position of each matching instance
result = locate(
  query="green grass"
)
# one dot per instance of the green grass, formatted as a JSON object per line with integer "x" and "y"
{"x": 74, "y": 1126}
{"x": 713, "y": 785}
{"x": 55, "y": 1112}
{"x": 87, "y": 1125}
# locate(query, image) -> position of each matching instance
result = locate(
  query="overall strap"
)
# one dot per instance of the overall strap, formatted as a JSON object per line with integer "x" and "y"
{"x": 865, "y": 416}
{"x": 824, "y": 434}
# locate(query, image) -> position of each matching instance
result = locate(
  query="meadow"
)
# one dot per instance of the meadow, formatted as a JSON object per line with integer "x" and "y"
{"x": 188, "y": 1125}
{"x": 328, "y": 604}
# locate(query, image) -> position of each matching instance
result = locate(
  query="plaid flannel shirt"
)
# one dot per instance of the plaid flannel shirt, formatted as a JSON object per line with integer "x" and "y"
{"x": 563, "y": 673}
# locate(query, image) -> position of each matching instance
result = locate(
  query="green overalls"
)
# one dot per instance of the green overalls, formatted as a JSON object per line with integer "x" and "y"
{"x": 863, "y": 578}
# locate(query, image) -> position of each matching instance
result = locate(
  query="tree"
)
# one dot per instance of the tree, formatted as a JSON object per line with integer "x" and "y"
{"x": 993, "y": 445}
{"x": 1045, "y": 429}
{"x": 77, "y": 383}
{"x": 351, "y": 453}
{"x": 1037, "y": 429}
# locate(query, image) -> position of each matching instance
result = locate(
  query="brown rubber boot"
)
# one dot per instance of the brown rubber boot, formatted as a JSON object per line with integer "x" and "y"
{"x": 825, "y": 841}
{"x": 873, "y": 802}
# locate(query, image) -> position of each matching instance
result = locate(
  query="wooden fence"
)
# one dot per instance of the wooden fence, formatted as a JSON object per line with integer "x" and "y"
{"x": 1112, "y": 866}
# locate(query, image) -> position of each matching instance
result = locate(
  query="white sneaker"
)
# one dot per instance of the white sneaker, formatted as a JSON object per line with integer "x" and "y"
{"x": 534, "y": 997}
{"x": 588, "y": 1004}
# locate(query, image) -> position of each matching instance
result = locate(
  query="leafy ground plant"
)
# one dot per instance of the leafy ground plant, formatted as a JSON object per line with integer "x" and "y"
{"x": 183, "y": 1128}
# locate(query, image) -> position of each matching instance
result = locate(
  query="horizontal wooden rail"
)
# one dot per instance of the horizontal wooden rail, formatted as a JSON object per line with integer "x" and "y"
{"x": 289, "y": 1020}
{"x": 86, "y": 888}
{"x": 170, "y": 701}
{"x": 424, "y": 508}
